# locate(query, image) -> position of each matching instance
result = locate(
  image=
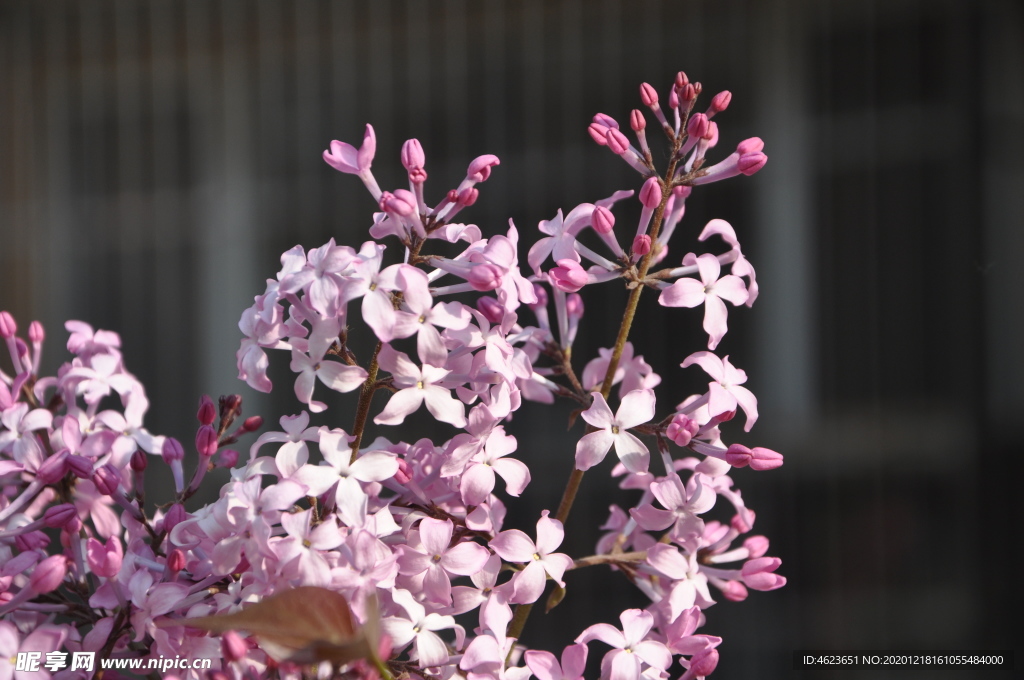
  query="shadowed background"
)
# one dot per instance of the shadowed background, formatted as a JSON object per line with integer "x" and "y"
{"x": 157, "y": 157}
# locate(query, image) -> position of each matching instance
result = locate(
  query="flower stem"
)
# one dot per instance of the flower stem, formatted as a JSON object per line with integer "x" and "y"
{"x": 365, "y": 397}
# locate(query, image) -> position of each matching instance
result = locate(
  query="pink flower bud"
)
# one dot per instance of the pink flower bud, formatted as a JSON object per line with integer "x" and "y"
{"x": 720, "y": 102}
{"x": 80, "y": 466}
{"x": 139, "y": 461}
{"x": 8, "y": 327}
{"x": 227, "y": 458}
{"x": 682, "y": 429}
{"x": 682, "y": 192}
{"x": 172, "y": 450}
{"x": 650, "y": 193}
{"x": 673, "y": 99}
{"x": 175, "y": 561}
{"x": 74, "y": 525}
{"x": 734, "y": 591}
{"x": 399, "y": 203}
{"x": 206, "y": 441}
{"x": 35, "y": 332}
{"x": 412, "y": 155}
{"x": 642, "y": 245}
{"x": 743, "y": 522}
{"x": 751, "y": 162}
{"x": 750, "y": 146}
{"x": 603, "y": 220}
{"x": 574, "y": 305}
{"x": 764, "y": 459}
{"x": 107, "y": 479}
{"x": 617, "y": 141}
{"x": 31, "y": 540}
{"x": 480, "y": 169}
{"x": 648, "y": 95}
{"x": 542, "y": 296}
{"x": 49, "y": 574}
{"x": 452, "y": 196}
{"x": 568, "y": 276}
{"x": 598, "y": 133}
{"x": 688, "y": 92}
{"x": 58, "y": 516}
{"x": 53, "y": 468}
{"x": 207, "y": 412}
{"x": 712, "y": 133}
{"x": 757, "y": 545}
{"x": 468, "y": 196}
{"x": 484, "y": 277}
{"x": 697, "y": 126}
{"x": 175, "y": 516}
{"x": 491, "y": 309}
{"x": 757, "y": 573}
{"x": 104, "y": 560}
{"x": 606, "y": 121}
{"x": 704, "y": 663}
{"x": 738, "y": 456}
{"x": 252, "y": 423}
{"x": 637, "y": 120}
{"x": 404, "y": 473}
{"x": 233, "y": 646}
{"x": 681, "y": 80}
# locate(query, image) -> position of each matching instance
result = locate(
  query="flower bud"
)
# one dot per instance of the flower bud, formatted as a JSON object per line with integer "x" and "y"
{"x": 680, "y": 80}
{"x": 80, "y": 466}
{"x": 58, "y": 516}
{"x": 398, "y": 204}
{"x": 743, "y": 521}
{"x": 750, "y": 146}
{"x": 175, "y": 560}
{"x": 764, "y": 459}
{"x": 480, "y": 168}
{"x": 172, "y": 450}
{"x": 599, "y": 133}
{"x": 8, "y": 327}
{"x": 207, "y": 412}
{"x": 206, "y": 441}
{"x": 104, "y": 560}
{"x": 603, "y": 220}
{"x": 734, "y": 591}
{"x": 568, "y": 276}
{"x": 412, "y": 155}
{"x": 617, "y": 141}
{"x": 107, "y": 479}
{"x": 484, "y": 277}
{"x": 139, "y": 461}
{"x": 606, "y": 121}
{"x": 233, "y": 646}
{"x": 720, "y": 102}
{"x": 175, "y": 516}
{"x": 542, "y": 296}
{"x": 697, "y": 126}
{"x": 49, "y": 574}
{"x": 574, "y": 305}
{"x": 53, "y": 468}
{"x": 756, "y": 545}
{"x": 682, "y": 429}
{"x": 642, "y": 245}
{"x": 227, "y": 458}
{"x": 637, "y": 120}
{"x": 404, "y": 473}
{"x": 31, "y": 540}
{"x": 468, "y": 196}
{"x": 650, "y": 193}
{"x": 491, "y": 309}
{"x": 36, "y": 334}
{"x": 704, "y": 663}
{"x": 751, "y": 162}
{"x": 252, "y": 423}
{"x": 648, "y": 95}
{"x": 758, "y": 573}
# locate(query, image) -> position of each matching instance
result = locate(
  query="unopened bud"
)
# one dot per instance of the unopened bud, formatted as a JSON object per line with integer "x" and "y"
{"x": 207, "y": 412}
{"x": 574, "y": 305}
{"x": 542, "y": 296}
{"x": 650, "y": 193}
{"x": 681, "y": 80}
{"x": 642, "y": 245}
{"x": 49, "y": 574}
{"x": 757, "y": 545}
{"x": 175, "y": 560}
{"x": 704, "y": 663}
{"x": 206, "y": 441}
{"x": 743, "y": 521}
{"x": 80, "y": 466}
{"x": 107, "y": 479}
{"x": 764, "y": 459}
{"x": 175, "y": 516}
{"x": 58, "y": 516}
{"x": 648, "y": 95}
{"x": 751, "y": 162}
{"x": 637, "y": 120}
{"x": 172, "y": 450}
{"x": 603, "y": 220}
{"x": 568, "y": 276}
{"x": 53, "y": 468}
{"x": 404, "y": 473}
{"x": 682, "y": 429}
{"x": 36, "y": 332}
{"x": 233, "y": 646}
{"x": 31, "y": 540}
{"x": 8, "y": 327}
{"x": 598, "y": 133}
{"x": 484, "y": 277}
{"x": 617, "y": 141}
{"x": 491, "y": 309}
{"x": 412, "y": 155}
{"x": 734, "y": 591}
{"x": 697, "y": 126}
{"x": 468, "y": 196}
{"x": 480, "y": 168}
{"x": 750, "y": 145}
{"x": 252, "y": 423}
{"x": 688, "y": 92}
{"x": 139, "y": 461}
{"x": 227, "y": 458}
{"x": 720, "y": 102}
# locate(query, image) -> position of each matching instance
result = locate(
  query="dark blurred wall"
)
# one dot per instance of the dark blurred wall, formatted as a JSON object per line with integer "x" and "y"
{"x": 156, "y": 157}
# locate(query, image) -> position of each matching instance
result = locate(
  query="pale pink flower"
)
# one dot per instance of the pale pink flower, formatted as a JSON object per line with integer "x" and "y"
{"x": 416, "y": 386}
{"x": 631, "y": 649}
{"x": 636, "y": 408}
{"x": 540, "y": 559}
{"x": 709, "y": 291}
{"x": 725, "y": 392}
{"x": 418, "y": 626}
{"x": 546, "y": 667}
{"x": 438, "y": 562}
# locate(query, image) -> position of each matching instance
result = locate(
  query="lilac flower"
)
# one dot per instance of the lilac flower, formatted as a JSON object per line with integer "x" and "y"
{"x": 636, "y": 408}
{"x": 709, "y": 291}
{"x": 631, "y": 648}
{"x": 725, "y": 392}
{"x": 438, "y": 562}
{"x": 546, "y": 667}
{"x": 540, "y": 559}
{"x": 417, "y": 386}
{"x": 418, "y": 626}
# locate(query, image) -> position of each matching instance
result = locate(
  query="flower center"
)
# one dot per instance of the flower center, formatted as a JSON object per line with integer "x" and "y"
{"x": 419, "y": 384}
{"x": 615, "y": 429}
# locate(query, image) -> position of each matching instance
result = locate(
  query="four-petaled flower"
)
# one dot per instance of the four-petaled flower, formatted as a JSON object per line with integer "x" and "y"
{"x": 636, "y": 408}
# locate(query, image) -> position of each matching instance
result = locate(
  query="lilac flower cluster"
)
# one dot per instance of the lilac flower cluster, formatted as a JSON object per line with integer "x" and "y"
{"x": 410, "y": 533}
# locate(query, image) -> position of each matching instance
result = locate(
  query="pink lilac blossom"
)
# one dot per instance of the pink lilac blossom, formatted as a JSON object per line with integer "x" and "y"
{"x": 410, "y": 533}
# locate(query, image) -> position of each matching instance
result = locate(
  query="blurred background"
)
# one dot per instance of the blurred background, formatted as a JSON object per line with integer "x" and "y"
{"x": 156, "y": 157}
